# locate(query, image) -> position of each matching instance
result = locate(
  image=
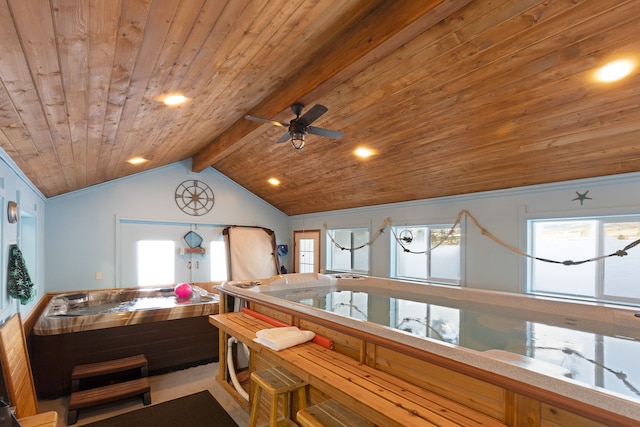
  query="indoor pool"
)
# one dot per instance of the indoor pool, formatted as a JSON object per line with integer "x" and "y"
{"x": 574, "y": 342}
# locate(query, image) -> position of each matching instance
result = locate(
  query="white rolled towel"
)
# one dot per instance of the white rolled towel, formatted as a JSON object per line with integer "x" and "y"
{"x": 284, "y": 337}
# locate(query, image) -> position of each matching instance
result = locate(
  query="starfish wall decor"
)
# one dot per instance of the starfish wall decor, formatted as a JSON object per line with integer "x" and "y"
{"x": 582, "y": 197}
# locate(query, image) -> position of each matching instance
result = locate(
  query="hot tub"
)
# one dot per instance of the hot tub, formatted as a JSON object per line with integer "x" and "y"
{"x": 581, "y": 351}
{"x": 86, "y": 327}
{"x": 108, "y": 308}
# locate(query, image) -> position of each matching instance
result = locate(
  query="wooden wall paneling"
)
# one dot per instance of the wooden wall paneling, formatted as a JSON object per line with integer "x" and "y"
{"x": 342, "y": 343}
{"x": 551, "y": 416}
{"x": 278, "y": 315}
{"x": 479, "y": 395}
{"x": 526, "y": 411}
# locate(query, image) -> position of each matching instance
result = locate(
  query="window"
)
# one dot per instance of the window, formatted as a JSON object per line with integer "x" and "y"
{"x": 611, "y": 279}
{"x": 412, "y": 259}
{"x": 348, "y": 250}
{"x": 156, "y": 262}
{"x": 218, "y": 261}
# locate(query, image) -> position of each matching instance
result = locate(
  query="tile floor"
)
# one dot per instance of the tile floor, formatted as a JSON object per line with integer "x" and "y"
{"x": 163, "y": 388}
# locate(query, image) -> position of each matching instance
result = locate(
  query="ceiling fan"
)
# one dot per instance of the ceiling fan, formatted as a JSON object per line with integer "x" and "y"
{"x": 299, "y": 126}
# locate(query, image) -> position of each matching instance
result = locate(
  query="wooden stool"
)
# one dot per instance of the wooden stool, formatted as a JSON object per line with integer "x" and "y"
{"x": 277, "y": 382}
{"x": 331, "y": 413}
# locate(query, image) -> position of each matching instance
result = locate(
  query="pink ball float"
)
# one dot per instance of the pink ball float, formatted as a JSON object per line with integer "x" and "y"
{"x": 183, "y": 290}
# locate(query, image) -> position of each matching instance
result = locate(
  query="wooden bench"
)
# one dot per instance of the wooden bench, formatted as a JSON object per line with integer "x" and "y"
{"x": 373, "y": 394}
{"x": 80, "y": 399}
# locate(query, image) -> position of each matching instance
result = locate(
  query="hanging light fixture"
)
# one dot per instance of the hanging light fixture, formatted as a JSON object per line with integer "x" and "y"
{"x": 297, "y": 130}
{"x": 297, "y": 140}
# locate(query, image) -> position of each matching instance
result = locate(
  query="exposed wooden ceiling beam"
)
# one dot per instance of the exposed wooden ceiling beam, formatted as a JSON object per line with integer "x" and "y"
{"x": 387, "y": 27}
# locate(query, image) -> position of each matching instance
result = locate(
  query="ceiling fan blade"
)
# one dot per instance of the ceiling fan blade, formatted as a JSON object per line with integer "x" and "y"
{"x": 284, "y": 138}
{"x": 272, "y": 122}
{"x": 313, "y": 114}
{"x": 325, "y": 132}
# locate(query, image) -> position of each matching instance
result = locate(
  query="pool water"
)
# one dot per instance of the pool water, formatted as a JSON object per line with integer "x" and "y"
{"x": 149, "y": 303}
{"x": 586, "y": 355}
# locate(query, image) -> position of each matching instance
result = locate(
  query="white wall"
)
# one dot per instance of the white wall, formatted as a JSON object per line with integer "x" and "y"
{"x": 487, "y": 265}
{"x": 15, "y": 186}
{"x": 82, "y": 226}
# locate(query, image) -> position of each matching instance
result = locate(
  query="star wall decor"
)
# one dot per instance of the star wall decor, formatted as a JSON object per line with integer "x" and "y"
{"x": 582, "y": 197}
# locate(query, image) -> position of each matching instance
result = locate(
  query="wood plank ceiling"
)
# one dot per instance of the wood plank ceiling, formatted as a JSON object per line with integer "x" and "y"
{"x": 452, "y": 96}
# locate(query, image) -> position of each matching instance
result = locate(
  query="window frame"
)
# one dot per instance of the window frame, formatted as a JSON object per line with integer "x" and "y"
{"x": 329, "y": 245}
{"x": 393, "y": 252}
{"x": 601, "y": 218}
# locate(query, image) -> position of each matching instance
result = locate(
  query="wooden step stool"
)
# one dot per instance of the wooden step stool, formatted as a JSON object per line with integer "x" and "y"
{"x": 331, "y": 413}
{"x": 80, "y": 399}
{"x": 278, "y": 382}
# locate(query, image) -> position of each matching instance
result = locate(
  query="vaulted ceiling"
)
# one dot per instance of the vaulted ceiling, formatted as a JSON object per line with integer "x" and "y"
{"x": 452, "y": 97}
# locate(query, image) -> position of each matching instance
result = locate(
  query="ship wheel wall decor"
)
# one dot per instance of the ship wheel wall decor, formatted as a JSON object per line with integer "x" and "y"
{"x": 194, "y": 197}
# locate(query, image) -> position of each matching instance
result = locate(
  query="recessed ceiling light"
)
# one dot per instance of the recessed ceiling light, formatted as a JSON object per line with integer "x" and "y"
{"x": 363, "y": 152}
{"x": 136, "y": 160}
{"x": 273, "y": 181}
{"x": 174, "y": 99}
{"x": 615, "y": 70}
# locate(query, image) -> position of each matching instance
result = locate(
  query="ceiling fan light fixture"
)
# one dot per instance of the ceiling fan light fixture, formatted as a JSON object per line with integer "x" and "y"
{"x": 299, "y": 127}
{"x": 297, "y": 140}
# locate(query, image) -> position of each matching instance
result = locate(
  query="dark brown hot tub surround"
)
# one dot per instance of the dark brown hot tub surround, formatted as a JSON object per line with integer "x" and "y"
{"x": 172, "y": 337}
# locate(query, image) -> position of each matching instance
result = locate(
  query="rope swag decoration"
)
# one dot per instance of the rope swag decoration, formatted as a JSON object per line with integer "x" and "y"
{"x": 387, "y": 222}
{"x": 377, "y": 234}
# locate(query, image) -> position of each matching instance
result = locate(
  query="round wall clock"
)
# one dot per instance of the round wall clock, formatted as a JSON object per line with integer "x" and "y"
{"x": 194, "y": 197}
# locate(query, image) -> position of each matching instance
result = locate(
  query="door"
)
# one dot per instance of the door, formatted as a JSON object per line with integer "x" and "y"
{"x": 306, "y": 251}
